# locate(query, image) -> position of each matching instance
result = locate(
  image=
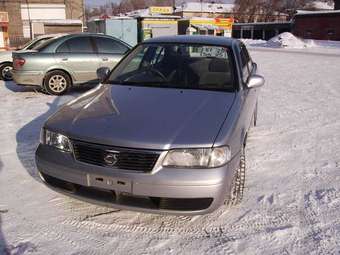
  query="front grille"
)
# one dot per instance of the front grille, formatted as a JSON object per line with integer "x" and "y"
{"x": 126, "y": 159}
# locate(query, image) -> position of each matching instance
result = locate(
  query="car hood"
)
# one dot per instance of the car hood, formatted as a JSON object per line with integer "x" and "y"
{"x": 143, "y": 117}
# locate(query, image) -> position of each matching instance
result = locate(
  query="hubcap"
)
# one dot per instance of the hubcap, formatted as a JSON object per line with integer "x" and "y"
{"x": 6, "y": 72}
{"x": 57, "y": 83}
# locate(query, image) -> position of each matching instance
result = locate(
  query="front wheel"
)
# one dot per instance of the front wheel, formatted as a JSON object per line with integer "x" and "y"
{"x": 57, "y": 83}
{"x": 5, "y": 71}
{"x": 238, "y": 183}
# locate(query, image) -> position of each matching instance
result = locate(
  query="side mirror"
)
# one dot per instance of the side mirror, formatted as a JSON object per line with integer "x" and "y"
{"x": 103, "y": 73}
{"x": 255, "y": 81}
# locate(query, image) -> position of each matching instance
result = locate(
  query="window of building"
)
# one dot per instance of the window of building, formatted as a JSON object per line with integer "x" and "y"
{"x": 331, "y": 32}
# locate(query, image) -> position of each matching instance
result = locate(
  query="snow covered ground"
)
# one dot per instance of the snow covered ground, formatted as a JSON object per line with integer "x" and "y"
{"x": 292, "y": 196}
{"x": 289, "y": 41}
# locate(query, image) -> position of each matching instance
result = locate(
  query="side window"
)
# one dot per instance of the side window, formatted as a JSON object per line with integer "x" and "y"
{"x": 110, "y": 46}
{"x": 247, "y": 64}
{"x": 63, "y": 48}
{"x": 76, "y": 45}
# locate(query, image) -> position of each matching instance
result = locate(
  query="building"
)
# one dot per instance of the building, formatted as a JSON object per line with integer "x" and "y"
{"x": 4, "y": 40}
{"x": 206, "y": 10}
{"x": 155, "y": 21}
{"x": 123, "y": 28}
{"x": 318, "y": 25}
{"x": 206, "y": 26}
{"x": 156, "y": 25}
{"x": 260, "y": 30}
{"x": 28, "y": 18}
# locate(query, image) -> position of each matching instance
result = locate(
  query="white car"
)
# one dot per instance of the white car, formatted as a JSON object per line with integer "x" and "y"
{"x": 6, "y": 56}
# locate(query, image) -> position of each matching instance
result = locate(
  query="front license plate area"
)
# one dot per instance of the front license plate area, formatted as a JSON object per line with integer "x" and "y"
{"x": 104, "y": 182}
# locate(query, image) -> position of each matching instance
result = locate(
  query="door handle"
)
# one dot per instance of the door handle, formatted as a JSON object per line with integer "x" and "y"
{"x": 105, "y": 59}
{"x": 64, "y": 59}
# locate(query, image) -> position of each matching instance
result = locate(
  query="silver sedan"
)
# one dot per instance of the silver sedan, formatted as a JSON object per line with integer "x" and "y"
{"x": 71, "y": 60}
{"x": 165, "y": 132}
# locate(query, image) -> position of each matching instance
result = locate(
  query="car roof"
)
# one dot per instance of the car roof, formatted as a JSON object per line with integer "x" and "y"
{"x": 67, "y": 36}
{"x": 51, "y": 35}
{"x": 201, "y": 39}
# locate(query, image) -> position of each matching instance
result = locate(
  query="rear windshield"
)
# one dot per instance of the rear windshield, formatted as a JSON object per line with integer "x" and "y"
{"x": 44, "y": 45}
{"x": 38, "y": 43}
{"x": 185, "y": 66}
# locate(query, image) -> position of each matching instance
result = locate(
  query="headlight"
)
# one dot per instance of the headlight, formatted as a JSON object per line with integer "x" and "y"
{"x": 56, "y": 140}
{"x": 198, "y": 158}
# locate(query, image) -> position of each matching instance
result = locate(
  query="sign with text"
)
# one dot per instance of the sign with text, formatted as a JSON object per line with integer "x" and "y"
{"x": 225, "y": 23}
{"x": 161, "y": 10}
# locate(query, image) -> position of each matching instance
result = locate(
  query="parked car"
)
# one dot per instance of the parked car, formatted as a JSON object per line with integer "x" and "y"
{"x": 67, "y": 61}
{"x": 6, "y": 56}
{"x": 165, "y": 132}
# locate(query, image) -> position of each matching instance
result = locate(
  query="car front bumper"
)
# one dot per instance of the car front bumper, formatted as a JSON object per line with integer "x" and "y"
{"x": 167, "y": 190}
{"x": 32, "y": 78}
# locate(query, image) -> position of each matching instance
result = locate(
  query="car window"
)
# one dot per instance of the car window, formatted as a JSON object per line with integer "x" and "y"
{"x": 38, "y": 43}
{"x": 187, "y": 66}
{"x": 76, "y": 45}
{"x": 110, "y": 46}
{"x": 246, "y": 62}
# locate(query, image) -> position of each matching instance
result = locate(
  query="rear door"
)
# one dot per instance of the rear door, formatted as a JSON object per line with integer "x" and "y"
{"x": 78, "y": 56}
{"x": 110, "y": 51}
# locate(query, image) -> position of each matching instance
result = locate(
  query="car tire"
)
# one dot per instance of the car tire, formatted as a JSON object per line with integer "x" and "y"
{"x": 4, "y": 71}
{"x": 57, "y": 83}
{"x": 236, "y": 194}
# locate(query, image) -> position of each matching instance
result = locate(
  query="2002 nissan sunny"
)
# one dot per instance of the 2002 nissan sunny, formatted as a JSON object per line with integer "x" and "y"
{"x": 164, "y": 132}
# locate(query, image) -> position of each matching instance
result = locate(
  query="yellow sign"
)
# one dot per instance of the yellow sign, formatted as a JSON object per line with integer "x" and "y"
{"x": 202, "y": 22}
{"x": 161, "y": 10}
{"x": 3, "y": 17}
{"x": 222, "y": 23}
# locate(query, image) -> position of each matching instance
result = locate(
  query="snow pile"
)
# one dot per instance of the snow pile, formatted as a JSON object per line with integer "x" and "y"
{"x": 286, "y": 40}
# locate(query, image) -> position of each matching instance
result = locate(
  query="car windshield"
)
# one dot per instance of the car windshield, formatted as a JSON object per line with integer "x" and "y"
{"x": 184, "y": 66}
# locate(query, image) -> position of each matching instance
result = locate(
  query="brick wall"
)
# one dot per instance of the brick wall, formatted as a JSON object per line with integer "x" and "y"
{"x": 317, "y": 27}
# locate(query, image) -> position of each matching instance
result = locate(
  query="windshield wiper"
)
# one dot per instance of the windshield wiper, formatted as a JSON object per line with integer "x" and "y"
{"x": 138, "y": 83}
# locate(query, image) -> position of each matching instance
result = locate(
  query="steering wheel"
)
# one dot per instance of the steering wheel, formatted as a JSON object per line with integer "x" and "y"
{"x": 158, "y": 73}
{"x": 151, "y": 70}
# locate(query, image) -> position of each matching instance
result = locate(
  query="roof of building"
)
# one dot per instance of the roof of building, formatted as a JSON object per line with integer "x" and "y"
{"x": 206, "y": 7}
{"x": 58, "y": 21}
{"x": 310, "y": 13}
{"x": 200, "y": 39}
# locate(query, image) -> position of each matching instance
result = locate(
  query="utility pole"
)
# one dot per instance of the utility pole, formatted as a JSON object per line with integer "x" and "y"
{"x": 29, "y": 19}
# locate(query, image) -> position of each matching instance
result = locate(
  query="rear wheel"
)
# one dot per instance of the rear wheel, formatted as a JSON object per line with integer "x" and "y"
{"x": 57, "y": 83}
{"x": 238, "y": 183}
{"x": 5, "y": 71}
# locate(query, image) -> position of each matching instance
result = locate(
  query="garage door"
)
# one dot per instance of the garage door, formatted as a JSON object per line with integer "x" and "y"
{"x": 31, "y": 12}
{"x": 2, "y": 42}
